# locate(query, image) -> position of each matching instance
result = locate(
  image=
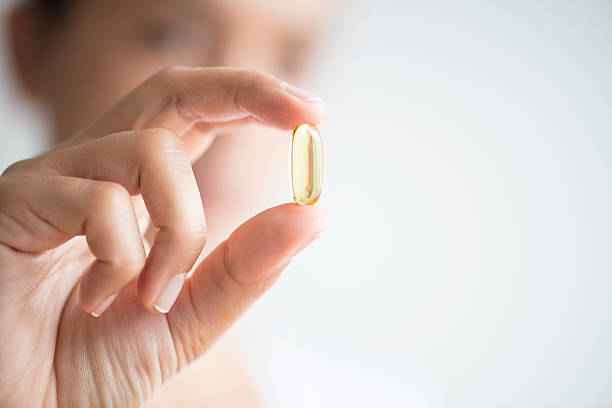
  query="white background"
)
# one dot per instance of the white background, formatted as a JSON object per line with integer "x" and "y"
{"x": 468, "y": 261}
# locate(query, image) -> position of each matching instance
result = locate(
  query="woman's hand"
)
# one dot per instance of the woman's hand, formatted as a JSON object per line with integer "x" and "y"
{"x": 71, "y": 247}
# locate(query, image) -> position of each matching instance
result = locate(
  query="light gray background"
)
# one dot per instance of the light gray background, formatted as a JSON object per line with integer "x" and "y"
{"x": 468, "y": 261}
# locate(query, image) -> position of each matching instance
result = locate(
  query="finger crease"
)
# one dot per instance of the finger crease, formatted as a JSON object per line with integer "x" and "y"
{"x": 182, "y": 111}
{"x": 228, "y": 270}
{"x": 179, "y": 363}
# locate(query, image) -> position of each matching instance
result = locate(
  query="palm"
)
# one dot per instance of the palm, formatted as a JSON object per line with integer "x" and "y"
{"x": 120, "y": 359}
{"x": 128, "y": 350}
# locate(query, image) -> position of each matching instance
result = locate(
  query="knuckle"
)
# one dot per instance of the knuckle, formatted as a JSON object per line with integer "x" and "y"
{"x": 252, "y": 74}
{"x": 49, "y": 163}
{"x": 169, "y": 71}
{"x": 252, "y": 78}
{"x": 166, "y": 77}
{"x": 198, "y": 232}
{"x": 163, "y": 85}
{"x": 109, "y": 197}
{"x": 155, "y": 141}
{"x": 188, "y": 239}
{"x": 121, "y": 267}
{"x": 193, "y": 234}
{"x": 20, "y": 167}
{"x": 7, "y": 193}
{"x": 15, "y": 188}
{"x": 195, "y": 224}
{"x": 131, "y": 262}
{"x": 249, "y": 81}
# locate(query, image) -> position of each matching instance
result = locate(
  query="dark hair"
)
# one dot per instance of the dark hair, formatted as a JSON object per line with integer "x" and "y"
{"x": 52, "y": 9}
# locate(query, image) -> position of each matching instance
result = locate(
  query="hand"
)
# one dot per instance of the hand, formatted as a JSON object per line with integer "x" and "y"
{"x": 70, "y": 242}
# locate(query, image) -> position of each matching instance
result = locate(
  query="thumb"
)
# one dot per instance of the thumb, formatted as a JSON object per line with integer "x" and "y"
{"x": 237, "y": 272}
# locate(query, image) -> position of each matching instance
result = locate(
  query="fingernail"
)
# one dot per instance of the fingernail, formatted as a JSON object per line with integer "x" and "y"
{"x": 307, "y": 242}
{"x": 284, "y": 264}
{"x": 168, "y": 295}
{"x": 103, "y": 305}
{"x": 301, "y": 93}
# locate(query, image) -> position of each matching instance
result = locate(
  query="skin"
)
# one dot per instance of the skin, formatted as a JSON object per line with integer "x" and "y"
{"x": 71, "y": 220}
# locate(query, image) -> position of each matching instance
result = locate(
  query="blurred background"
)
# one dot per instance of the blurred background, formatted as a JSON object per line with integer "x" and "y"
{"x": 468, "y": 262}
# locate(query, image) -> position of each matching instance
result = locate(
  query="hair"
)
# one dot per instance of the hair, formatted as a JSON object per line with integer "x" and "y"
{"x": 52, "y": 10}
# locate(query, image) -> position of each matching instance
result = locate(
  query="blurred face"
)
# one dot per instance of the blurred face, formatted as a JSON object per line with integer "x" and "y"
{"x": 102, "y": 49}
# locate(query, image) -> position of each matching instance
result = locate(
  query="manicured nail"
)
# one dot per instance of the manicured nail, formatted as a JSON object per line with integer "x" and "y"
{"x": 301, "y": 93}
{"x": 168, "y": 295}
{"x": 307, "y": 242}
{"x": 103, "y": 305}
{"x": 284, "y": 264}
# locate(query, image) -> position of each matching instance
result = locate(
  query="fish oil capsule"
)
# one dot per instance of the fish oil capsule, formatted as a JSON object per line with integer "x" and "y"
{"x": 306, "y": 164}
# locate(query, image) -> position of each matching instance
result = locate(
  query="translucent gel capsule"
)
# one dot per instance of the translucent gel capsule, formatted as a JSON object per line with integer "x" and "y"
{"x": 306, "y": 164}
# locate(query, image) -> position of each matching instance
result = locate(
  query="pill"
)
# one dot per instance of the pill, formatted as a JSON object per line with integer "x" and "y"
{"x": 306, "y": 164}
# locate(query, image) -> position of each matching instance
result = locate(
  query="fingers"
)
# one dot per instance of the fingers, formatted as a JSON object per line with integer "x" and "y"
{"x": 187, "y": 105}
{"x": 237, "y": 272}
{"x": 152, "y": 163}
{"x": 180, "y": 98}
{"x": 44, "y": 211}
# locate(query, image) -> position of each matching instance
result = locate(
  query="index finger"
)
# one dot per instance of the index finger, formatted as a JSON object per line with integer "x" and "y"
{"x": 179, "y": 98}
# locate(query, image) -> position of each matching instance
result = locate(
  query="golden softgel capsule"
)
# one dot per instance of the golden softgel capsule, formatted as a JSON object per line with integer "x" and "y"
{"x": 306, "y": 164}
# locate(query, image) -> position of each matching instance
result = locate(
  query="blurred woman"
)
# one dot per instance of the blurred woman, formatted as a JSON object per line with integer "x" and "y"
{"x": 92, "y": 313}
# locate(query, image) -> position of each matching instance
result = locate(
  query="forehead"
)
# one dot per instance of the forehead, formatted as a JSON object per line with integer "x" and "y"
{"x": 293, "y": 11}
{"x": 298, "y": 13}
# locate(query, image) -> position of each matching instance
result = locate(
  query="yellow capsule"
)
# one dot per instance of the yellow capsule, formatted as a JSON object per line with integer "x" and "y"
{"x": 306, "y": 164}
